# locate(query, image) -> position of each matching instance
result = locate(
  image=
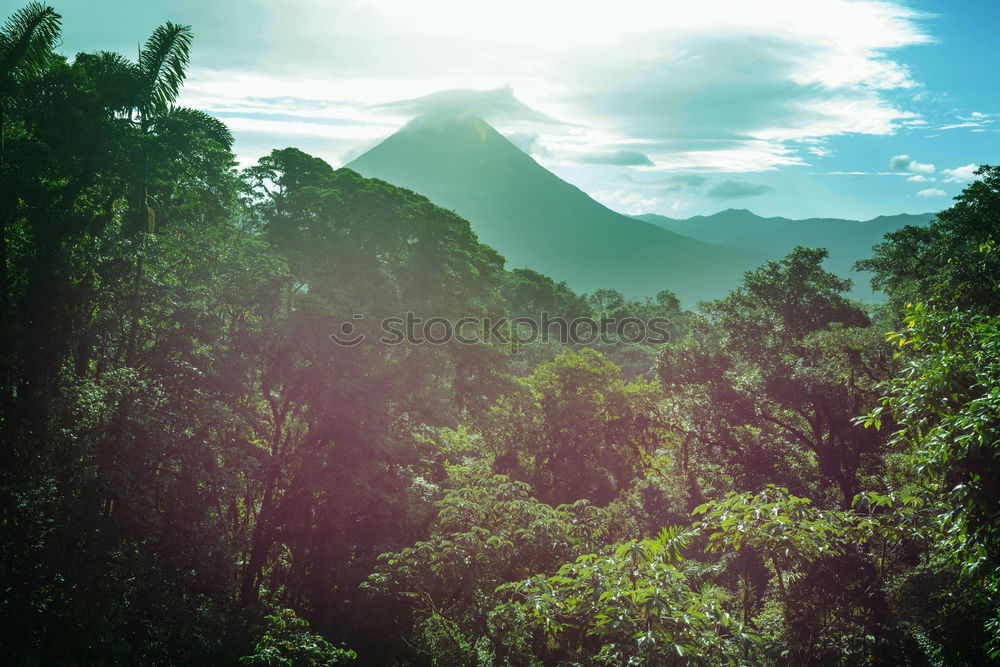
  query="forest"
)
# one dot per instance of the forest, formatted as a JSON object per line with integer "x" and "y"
{"x": 195, "y": 473}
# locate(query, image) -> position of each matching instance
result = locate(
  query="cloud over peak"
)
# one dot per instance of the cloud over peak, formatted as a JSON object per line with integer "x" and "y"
{"x": 498, "y": 104}
{"x": 759, "y": 85}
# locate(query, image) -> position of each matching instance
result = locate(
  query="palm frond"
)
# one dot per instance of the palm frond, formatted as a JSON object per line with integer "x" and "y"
{"x": 27, "y": 38}
{"x": 195, "y": 120}
{"x": 163, "y": 61}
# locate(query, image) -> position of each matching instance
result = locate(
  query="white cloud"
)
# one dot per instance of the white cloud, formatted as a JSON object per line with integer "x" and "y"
{"x": 629, "y": 202}
{"x": 490, "y": 105}
{"x": 976, "y": 120}
{"x": 960, "y": 174}
{"x": 526, "y": 141}
{"x": 932, "y": 192}
{"x": 730, "y": 189}
{"x": 758, "y": 83}
{"x": 920, "y": 178}
{"x": 680, "y": 182}
{"x": 906, "y": 163}
{"x": 900, "y": 162}
{"x": 302, "y": 128}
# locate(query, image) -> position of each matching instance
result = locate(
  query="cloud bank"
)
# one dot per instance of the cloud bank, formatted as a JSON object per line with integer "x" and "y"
{"x": 495, "y": 105}
{"x": 716, "y": 85}
{"x": 619, "y": 158}
{"x": 730, "y": 189}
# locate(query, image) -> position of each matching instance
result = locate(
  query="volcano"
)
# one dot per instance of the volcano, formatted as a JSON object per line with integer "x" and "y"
{"x": 538, "y": 221}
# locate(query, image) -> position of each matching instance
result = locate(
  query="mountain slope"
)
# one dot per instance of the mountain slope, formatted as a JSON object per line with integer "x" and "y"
{"x": 847, "y": 240}
{"x": 538, "y": 221}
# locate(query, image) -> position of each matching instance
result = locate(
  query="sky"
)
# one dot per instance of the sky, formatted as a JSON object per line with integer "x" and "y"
{"x": 818, "y": 108}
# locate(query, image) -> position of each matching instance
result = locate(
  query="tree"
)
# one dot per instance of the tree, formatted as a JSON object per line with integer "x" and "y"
{"x": 575, "y": 429}
{"x": 948, "y": 407}
{"x": 341, "y": 429}
{"x": 529, "y": 294}
{"x": 487, "y": 533}
{"x": 949, "y": 263}
{"x": 26, "y": 41}
{"x": 119, "y": 481}
{"x": 773, "y": 377}
{"x": 287, "y": 642}
{"x": 635, "y": 603}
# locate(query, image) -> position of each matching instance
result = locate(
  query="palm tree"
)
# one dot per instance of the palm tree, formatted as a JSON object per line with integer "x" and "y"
{"x": 159, "y": 75}
{"x": 26, "y": 41}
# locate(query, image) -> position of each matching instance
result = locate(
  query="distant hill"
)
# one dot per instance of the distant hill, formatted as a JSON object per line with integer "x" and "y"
{"x": 539, "y": 221}
{"x": 847, "y": 240}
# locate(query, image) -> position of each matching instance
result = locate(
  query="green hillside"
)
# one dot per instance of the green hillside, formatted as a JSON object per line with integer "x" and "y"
{"x": 847, "y": 240}
{"x": 537, "y": 220}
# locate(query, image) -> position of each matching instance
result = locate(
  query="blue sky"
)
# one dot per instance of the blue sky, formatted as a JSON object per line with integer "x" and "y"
{"x": 839, "y": 108}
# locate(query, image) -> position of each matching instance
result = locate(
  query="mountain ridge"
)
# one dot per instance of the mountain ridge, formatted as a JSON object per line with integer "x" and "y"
{"x": 537, "y": 220}
{"x": 846, "y": 240}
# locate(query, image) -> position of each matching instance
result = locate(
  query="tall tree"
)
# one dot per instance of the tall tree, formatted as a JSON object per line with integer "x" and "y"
{"x": 26, "y": 41}
{"x": 160, "y": 72}
{"x": 778, "y": 371}
{"x": 575, "y": 429}
{"x": 954, "y": 261}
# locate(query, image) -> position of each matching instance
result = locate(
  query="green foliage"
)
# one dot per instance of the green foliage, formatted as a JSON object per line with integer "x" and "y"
{"x": 785, "y": 301}
{"x": 162, "y": 66}
{"x": 575, "y": 429}
{"x": 183, "y": 445}
{"x": 26, "y": 41}
{"x": 529, "y": 293}
{"x": 175, "y": 418}
{"x": 287, "y": 642}
{"x": 635, "y": 603}
{"x": 945, "y": 399}
{"x": 788, "y": 529}
{"x": 486, "y": 533}
{"x": 952, "y": 262}
{"x": 947, "y": 403}
{"x": 769, "y": 385}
